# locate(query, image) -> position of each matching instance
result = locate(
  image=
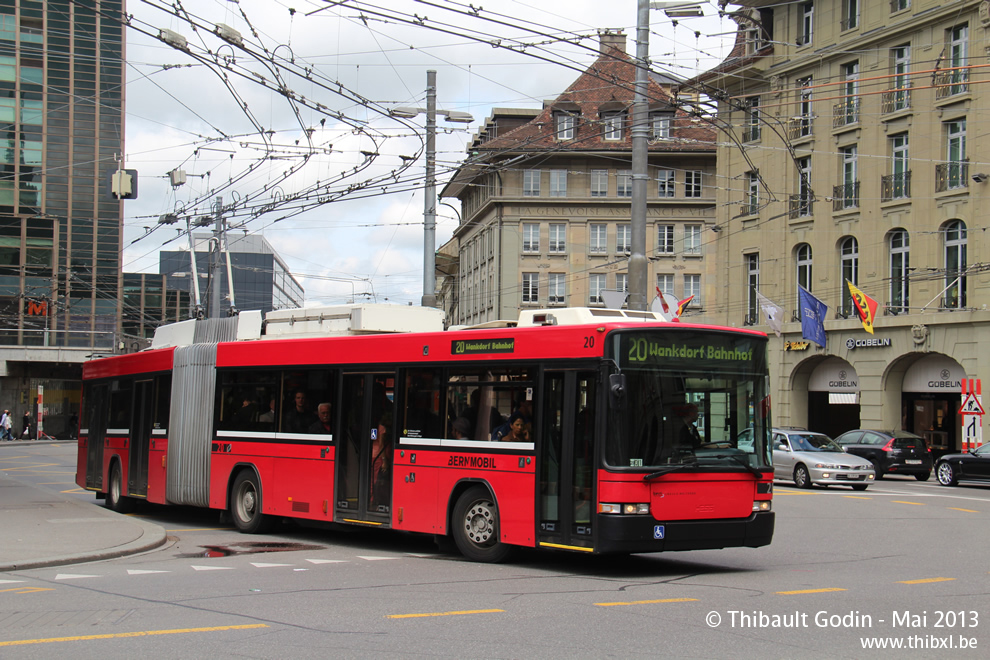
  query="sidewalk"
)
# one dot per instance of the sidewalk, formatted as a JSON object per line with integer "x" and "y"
{"x": 41, "y": 527}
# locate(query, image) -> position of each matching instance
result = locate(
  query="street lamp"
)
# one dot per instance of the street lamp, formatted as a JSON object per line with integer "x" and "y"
{"x": 430, "y": 190}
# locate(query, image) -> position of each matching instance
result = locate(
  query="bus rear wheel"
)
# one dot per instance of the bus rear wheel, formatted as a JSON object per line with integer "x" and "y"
{"x": 245, "y": 504}
{"x": 476, "y": 527}
{"x": 115, "y": 493}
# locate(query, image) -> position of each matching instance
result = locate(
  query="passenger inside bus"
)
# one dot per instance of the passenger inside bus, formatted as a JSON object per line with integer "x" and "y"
{"x": 322, "y": 425}
{"x": 299, "y": 418}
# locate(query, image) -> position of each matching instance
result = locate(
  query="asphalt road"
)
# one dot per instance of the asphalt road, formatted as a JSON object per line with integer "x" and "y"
{"x": 901, "y": 563}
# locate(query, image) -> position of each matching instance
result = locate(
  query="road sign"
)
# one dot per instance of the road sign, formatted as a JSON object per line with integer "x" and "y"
{"x": 971, "y": 406}
{"x": 971, "y": 412}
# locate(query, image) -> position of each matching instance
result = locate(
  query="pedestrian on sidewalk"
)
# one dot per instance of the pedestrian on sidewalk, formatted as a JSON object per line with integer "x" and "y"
{"x": 5, "y": 425}
{"x": 26, "y": 432}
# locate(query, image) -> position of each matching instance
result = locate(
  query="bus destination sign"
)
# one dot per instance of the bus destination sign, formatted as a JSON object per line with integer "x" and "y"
{"x": 482, "y": 346}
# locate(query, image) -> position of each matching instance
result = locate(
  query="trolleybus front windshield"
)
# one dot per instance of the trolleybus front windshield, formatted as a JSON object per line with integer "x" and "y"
{"x": 688, "y": 398}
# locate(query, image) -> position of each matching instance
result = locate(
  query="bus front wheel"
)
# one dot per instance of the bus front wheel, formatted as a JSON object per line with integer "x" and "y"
{"x": 116, "y": 501}
{"x": 245, "y": 504}
{"x": 476, "y": 527}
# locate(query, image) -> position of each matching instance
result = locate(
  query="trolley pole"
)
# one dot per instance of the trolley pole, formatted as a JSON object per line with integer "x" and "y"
{"x": 640, "y": 136}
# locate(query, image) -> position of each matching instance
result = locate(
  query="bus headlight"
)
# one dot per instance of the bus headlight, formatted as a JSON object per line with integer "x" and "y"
{"x": 628, "y": 509}
{"x": 761, "y": 505}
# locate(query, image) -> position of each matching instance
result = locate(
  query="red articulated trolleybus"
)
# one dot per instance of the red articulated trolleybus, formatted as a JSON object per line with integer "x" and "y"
{"x": 581, "y": 429}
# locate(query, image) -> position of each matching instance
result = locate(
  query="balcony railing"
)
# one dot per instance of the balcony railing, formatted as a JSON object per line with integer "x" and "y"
{"x": 845, "y": 196}
{"x": 751, "y": 134}
{"x": 750, "y": 208}
{"x": 895, "y": 186}
{"x": 951, "y": 175}
{"x": 849, "y": 22}
{"x": 846, "y": 113}
{"x": 799, "y": 127}
{"x": 950, "y": 83}
{"x": 800, "y": 206}
{"x": 895, "y": 100}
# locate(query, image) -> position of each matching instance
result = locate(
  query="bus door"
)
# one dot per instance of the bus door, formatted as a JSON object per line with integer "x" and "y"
{"x": 566, "y": 495}
{"x": 97, "y": 405}
{"x": 141, "y": 425}
{"x": 364, "y": 453}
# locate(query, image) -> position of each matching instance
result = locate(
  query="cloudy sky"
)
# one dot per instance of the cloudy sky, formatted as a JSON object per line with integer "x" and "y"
{"x": 290, "y": 127}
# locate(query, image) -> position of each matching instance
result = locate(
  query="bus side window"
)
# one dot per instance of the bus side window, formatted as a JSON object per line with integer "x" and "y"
{"x": 422, "y": 404}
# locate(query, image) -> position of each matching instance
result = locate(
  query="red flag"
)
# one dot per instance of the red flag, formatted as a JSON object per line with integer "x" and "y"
{"x": 866, "y": 306}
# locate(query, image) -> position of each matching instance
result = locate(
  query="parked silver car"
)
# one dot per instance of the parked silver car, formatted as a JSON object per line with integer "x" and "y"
{"x": 808, "y": 458}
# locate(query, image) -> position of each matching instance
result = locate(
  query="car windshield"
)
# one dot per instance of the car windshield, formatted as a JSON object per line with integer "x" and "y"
{"x": 813, "y": 442}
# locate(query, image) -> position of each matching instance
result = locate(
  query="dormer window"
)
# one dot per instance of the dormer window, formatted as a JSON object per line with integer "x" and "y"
{"x": 612, "y": 123}
{"x": 660, "y": 126}
{"x": 565, "y": 123}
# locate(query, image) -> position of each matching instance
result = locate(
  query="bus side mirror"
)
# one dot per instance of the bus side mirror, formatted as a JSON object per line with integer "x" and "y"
{"x": 617, "y": 390}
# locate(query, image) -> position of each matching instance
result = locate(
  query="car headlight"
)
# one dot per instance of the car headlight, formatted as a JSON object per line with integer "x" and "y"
{"x": 828, "y": 466}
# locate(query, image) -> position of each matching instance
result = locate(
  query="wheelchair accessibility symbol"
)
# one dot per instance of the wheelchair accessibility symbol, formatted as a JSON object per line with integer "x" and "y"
{"x": 658, "y": 532}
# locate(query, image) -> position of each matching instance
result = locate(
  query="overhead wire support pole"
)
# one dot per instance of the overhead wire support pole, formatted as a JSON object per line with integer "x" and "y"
{"x": 217, "y": 242}
{"x": 430, "y": 195}
{"x": 640, "y": 138}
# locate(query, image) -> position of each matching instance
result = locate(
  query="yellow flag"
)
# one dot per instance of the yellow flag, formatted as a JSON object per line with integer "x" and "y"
{"x": 866, "y": 306}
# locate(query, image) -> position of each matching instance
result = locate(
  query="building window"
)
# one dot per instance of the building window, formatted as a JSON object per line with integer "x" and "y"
{"x": 900, "y": 267}
{"x": 804, "y": 266}
{"x": 801, "y": 203}
{"x": 849, "y": 263}
{"x": 558, "y": 183}
{"x": 846, "y": 194}
{"x": 558, "y": 238}
{"x": 623, "y": 238}
{"x": 665, "y": 239}
{"x": 850, "y": 14}
{"x": 531, "y": 287}
{"x": 597, "y": 243}
{"x": 596, "y": 284}
{"x": 665, "y": 283}
{"x": 555, "y": 289}
{"x": 898, "y": 184}
{"x": 531, "y": 238}
{"x": 805, "y": 111}
{"x": 622, "y": 282}
{"x": 752, "y": 205}
{"x": 954, "y": 172}
{"x": 665, "y": 183}
{"x": 660, "y": 125}
{"x": 753, "y": 285}
{"x": 752, "y": 128}
{"x": 612, "y": 122}
{"x": 847, "y": 111}
{"x": 692, "y": 287}
{"x": 692, "y": 239}
{"x": 899, "y": 5}
{"x": 899, "y": 98}
{"x": 959, "y": 57}
{"x": 565, "y": 126}
{"x": 623, "y": 180}
{"x": 806, "y": 24}
{"x": 955, "y": 264}
{"x": 599, "y": 183}
{"x": 531, "y": 183}
{"x": 692, "y": 183}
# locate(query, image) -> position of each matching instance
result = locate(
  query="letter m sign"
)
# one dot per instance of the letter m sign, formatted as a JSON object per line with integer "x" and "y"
{"x": 36, "y": 308}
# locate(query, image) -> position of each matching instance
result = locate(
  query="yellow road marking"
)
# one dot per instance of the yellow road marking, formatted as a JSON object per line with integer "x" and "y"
{"x": 26, "y": 590}
{"x": 34, "y": 467}
{"x": 650, "y": 602}
{"x": 903, "y": 502}
{"x": 927, "y": 580}
{"x": 857, "y": 497}
{"x": 416, "y": 616}
{"x": 54, "y": 483}
{"x": 808, "y": 591}
{"x": 74, "y": 490}
{"x": 201, "y": 529}
{"x": 966, "y": 510}
{"x": 145, "y": 633}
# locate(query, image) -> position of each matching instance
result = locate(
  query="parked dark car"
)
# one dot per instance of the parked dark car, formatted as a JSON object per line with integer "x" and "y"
{"x": 891, "y": 452}
{"x": 972, "y": 465}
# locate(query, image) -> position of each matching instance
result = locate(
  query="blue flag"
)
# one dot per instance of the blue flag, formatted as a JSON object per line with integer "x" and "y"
{"x": 813, "y": 312}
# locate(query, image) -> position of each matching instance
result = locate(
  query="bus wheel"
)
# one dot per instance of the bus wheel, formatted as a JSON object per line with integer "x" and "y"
{"x": 115, "y": 493}
{"x": 245, "y": 504}
{"x": 476, "y": 527}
